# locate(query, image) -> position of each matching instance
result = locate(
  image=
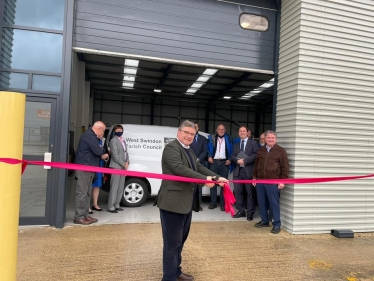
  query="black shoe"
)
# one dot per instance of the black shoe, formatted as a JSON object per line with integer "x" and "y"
{"x": 96, "y": 209}
{"x": 90, "y": 212}
{"x": 250, "y": 218}
{"x": 222, "y": 208}
{"x": 275, "y": 230}
{"x": 200, "y": 209}
{"x": 212, "y": 206}
{"x": 262, "y": 224}
{"x": 239, "y": 215}
{"x": 119, "y": 209}
{"x": 112, "y": 211}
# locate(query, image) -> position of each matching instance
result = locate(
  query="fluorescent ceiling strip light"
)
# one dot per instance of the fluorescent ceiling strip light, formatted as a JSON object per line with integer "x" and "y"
{"x": 203, "y": 78}
{"x": 227, "y": 97}
{"x": 256, "y": 91}
{"x": 197, "y": 85}
{"x": 128, "y": 85}
{"x": 133, "y": 63}
{"x": 191, "y": 90}
{"x": 129, "y": 71}
{"x": 210, "y": 71}
{"x": 129, "y": 78}
{"x": 267, "y": 85}
{"x": 189, "y": 94}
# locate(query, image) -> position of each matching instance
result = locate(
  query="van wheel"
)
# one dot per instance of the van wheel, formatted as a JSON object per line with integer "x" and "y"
{"x": 135, "y": 193}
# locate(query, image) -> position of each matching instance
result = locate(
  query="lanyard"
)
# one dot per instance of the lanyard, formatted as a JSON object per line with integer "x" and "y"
{"x": 220, "y": 140}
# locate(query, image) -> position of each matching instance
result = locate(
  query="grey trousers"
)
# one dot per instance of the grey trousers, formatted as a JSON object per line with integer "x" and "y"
{"x": 83, "y": 194}
{"x": 117, "y": 184}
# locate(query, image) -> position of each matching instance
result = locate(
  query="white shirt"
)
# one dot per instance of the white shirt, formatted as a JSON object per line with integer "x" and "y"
{"x": 245, "y": 143}
{"x": 184, "y": 146}
{"x": 220, "y": 148}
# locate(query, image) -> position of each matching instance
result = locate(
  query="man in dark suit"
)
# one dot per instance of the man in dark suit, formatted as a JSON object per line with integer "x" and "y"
{"x": 244, "y": 155}
{"x": 175, "y": 198}
{"x": 199, "y": 147}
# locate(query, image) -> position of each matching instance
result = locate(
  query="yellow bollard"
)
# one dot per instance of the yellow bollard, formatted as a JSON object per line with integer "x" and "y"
{"x": 12, "y": 118}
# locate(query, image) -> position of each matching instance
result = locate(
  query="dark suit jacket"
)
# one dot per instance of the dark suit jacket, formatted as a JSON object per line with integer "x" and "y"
{"x": 200, "y": 148}
{"x": 251, "y": 151}
{"x": 177, "y": 196}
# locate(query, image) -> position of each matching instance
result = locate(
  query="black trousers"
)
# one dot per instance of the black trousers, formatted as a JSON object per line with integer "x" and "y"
{"x": 175, "y": 229}
{"x": 240, "y": 189}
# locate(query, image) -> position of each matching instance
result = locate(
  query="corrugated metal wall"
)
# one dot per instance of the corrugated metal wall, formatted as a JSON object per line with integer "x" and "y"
{"x": 189, "y": 30}
{"x": 325, "y": 112}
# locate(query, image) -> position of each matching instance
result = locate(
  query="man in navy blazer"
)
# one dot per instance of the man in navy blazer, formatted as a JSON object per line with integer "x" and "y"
{"x": 244, "y": 156}
{"x": 200, "y": 148}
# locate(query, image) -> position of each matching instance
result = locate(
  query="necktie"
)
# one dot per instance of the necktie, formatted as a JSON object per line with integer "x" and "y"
{"x": 242, "y": 146}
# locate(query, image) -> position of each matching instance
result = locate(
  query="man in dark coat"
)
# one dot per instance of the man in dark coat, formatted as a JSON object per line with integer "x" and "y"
{"x": 175, "y": 198}
{"x": 89, "y": 152}
{"x": 244, "y": 156}
{"x": 199, "y": 146}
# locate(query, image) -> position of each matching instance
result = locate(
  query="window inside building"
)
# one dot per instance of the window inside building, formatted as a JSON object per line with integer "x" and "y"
{"x": 254, "y": 22}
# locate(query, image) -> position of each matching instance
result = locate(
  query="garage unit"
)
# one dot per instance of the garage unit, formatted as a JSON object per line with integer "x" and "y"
{"x": 323, "y": 90}
{"x": 186, "y": 63}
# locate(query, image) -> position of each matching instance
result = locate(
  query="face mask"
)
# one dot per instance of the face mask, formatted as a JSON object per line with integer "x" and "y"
{"x": 118, "y": 134}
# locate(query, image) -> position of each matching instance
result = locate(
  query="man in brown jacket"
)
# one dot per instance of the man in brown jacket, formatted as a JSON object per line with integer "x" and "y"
{"x": 271, "y": 163}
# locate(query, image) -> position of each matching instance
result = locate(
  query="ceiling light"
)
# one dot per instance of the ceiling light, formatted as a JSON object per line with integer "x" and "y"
{"x": 227, "y": 97}
{"x": 197, "y": 85}
{"x": 272, "y": 80}
{"x": 129, "y": 62}
{"x": 157, "y": 90}
{"x": 267, "y": 85}
{"x": 128, "y": 85}
{"x": 189, "y": 94}
{"x": 129, "y": 78}
{"x": 129, "y": 71}
{"x": 256, "y": 91}
{"x": 203, "y": 78}
{"x": 210, "y": 71}
{"x": 191, "y": 91}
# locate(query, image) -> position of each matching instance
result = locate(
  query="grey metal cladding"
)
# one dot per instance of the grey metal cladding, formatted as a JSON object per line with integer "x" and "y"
{"x": 190, "y": 30}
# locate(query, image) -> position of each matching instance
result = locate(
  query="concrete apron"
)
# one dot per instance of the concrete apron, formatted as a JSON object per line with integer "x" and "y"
{"x": 214, "y": 251}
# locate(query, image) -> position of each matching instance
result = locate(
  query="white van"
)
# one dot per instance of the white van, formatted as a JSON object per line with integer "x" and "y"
{"x": 145, "y": 144}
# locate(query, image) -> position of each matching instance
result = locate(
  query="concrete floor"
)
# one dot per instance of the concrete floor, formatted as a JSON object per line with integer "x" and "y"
{"x": 224, "y": 251}
{"x": 146, "y": 213}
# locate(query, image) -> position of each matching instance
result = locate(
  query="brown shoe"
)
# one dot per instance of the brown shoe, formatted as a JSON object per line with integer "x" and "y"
{"x": 185, "y": 276}
{"x": 84, "y": 221}
{"x": 92, "y": 220}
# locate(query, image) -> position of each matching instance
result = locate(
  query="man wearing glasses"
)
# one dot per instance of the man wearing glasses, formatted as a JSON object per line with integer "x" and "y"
{"x": 175, "y": 198}
{"x": 219, "y": 153}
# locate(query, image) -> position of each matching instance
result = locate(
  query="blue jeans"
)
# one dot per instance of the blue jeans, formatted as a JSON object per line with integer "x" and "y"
{"x": 268, "y": 199}
{"x": 218, "y": 167}
{"x": 175, "y": 229}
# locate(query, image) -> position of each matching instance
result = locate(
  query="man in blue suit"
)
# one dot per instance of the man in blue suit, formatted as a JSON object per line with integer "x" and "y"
{"x": 200, "y": 147}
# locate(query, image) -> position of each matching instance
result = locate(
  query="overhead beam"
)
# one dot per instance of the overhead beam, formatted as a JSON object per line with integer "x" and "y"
{"x": 222, "y": 93}
{"x": 94, "y": 63}
{"x": 165, "y": 76}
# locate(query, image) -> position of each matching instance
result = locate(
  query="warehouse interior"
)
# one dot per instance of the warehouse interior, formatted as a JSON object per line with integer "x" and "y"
{"x": 135, "y": 91}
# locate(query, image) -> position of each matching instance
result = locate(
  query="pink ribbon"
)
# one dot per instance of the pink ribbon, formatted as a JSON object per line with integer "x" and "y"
{"x": 229, "y": 197}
